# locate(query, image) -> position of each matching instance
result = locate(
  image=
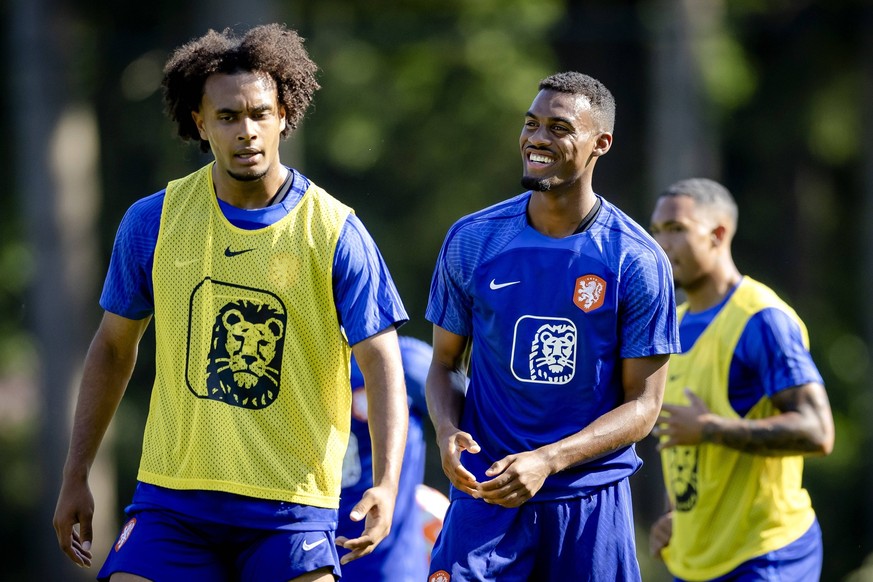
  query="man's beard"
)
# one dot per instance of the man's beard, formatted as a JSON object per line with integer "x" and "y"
{"x": 535, "y": 184}
{"x": 247, "y": 177}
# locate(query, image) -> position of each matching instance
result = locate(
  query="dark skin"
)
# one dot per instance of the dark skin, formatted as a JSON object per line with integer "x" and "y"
{"x": 698, "y": 242}
{"x": 518, "y": 477}
{"x": 560, "y": 143}
{"x": 241, "y": 118}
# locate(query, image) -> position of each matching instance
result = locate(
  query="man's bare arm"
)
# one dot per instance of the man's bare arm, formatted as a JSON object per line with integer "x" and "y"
{"x": 388, "y": 416}
{"x": 518, "y": 477}
{"x": 644, "y": 380}
{"x": 445, "y": 388}
{"x": 108, "y": 367}
{"x": 804, "y": 426}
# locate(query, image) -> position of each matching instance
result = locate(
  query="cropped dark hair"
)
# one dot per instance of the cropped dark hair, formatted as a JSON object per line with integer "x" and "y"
{"x": 270, "y": 49}
{"x": 705, "y": 193}
{"x": 602, "y": 101}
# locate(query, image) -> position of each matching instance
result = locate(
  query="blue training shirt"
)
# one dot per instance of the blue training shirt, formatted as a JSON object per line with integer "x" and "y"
{"x": 550, "y": 321}
{"x": 769, "y": 357}
{"x": 367, "y": 302}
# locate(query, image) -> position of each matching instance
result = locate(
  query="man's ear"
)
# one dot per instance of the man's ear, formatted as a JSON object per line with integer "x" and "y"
{"x": 602, "y": 144}
{"x": 198, "y": 121}
{"x": 719, "y": 235}
{"x": 284, "y": 119}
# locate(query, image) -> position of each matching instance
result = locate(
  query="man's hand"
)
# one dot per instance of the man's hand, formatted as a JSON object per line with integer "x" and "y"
{"x": 377, "y": 507}
{"x": 108, "y": 366}
{"x": 451, "y": 447}
{"x": 682, "y": 425}
{"x": 660, "y": 534}
{"x": 517, "y": 478}
{"x": 75, "y": 508}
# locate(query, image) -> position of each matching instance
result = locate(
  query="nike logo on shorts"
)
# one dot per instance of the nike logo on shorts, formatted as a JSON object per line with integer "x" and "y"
{"x": 230, "y": 253}
{"x": 495, "y": 285}
{"x": 307, "y": 546}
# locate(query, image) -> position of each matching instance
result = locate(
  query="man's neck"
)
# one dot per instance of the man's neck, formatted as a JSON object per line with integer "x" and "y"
{"x": 249, "y": 194}
{"x": 558, "y": 214}
{"x": 713, "y": 289}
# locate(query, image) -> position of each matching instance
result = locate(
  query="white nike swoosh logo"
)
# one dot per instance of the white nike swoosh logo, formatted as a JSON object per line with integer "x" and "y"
{"x": 307, "y": 546}
{"x": 180, "y": 263}
{"x": 495, "y": 286}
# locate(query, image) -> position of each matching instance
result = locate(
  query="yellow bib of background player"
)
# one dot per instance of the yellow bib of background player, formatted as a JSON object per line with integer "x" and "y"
{"x": 728, "y": 506}
{"x": 251, "y": 392}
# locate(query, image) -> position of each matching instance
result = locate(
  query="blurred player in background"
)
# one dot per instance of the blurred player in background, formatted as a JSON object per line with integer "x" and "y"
{"x": 404, "y": 554}
{"x": 744, "y": 403}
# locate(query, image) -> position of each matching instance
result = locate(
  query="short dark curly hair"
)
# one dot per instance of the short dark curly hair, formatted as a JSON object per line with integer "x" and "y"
{"x": 270, "y": 49}
{"x": 602, "y": 101}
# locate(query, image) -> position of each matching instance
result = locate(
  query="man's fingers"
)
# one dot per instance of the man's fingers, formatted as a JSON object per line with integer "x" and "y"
{"x": 358, "y": 547}
{"x": 360, "y": 510}
{"x": 497, "y": 467}
{"x": 496, "y": 483}
{"x": 72, "y": 543}
{"x": 695, "y": 400}
{"x": 353, "y": 543}
{"x": 355, "y": 554}
{"x": 465, "y": 441}
{"x": 86, "y": 535}
{"x": 82, "y": 549}
{"x": 463, "y": 474}
{"x": 666, "y": 444}
{"x": 506, "y": 497}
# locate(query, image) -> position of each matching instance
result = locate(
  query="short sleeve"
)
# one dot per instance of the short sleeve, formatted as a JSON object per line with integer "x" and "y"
{"x": 128, "y": 290}
{"x": 648, "y": 313}
{"x": 772, "y": 350}
{"x": 449, "y": 306}
{"x": 365, "y": 294}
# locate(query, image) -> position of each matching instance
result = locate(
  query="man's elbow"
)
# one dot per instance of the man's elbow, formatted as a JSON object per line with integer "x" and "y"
{"x": 823, "y": 443}
{"x": 647, "y": 411}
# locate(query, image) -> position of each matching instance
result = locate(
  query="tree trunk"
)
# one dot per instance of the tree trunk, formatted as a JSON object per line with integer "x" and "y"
{"x": 681, "y": 136}
{"x": 866, "y": 273}
{"x": 682, "y": 144}
{"x": 57, "y": 186}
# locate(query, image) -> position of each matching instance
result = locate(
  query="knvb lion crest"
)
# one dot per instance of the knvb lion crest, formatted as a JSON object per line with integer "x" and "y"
{"x": 125, "y": 533}
{"x": 589, "y": 293}
{"x": 245, "y": 354}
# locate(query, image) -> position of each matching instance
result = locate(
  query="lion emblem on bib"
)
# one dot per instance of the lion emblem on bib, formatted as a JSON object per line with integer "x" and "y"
{"x": 243, "y": 369}
{"x": 683, "y": 473}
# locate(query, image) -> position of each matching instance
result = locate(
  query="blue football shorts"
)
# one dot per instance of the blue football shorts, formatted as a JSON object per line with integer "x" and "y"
{"x": 583, "y": 538}
{"x": 799, "y": 561}
{"x": 167, "y": 546}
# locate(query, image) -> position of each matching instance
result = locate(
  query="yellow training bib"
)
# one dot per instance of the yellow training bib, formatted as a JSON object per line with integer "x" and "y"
{"x": 729, "y": 506}
{"x": 251, "y": 393}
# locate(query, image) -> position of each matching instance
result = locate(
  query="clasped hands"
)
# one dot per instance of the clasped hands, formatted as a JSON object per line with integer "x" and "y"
{"x": 514, "y": 479}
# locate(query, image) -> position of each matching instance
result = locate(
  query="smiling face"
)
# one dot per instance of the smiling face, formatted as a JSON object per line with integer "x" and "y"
{"x": 560, "y": 141}
{"x": 241, "y": 119}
